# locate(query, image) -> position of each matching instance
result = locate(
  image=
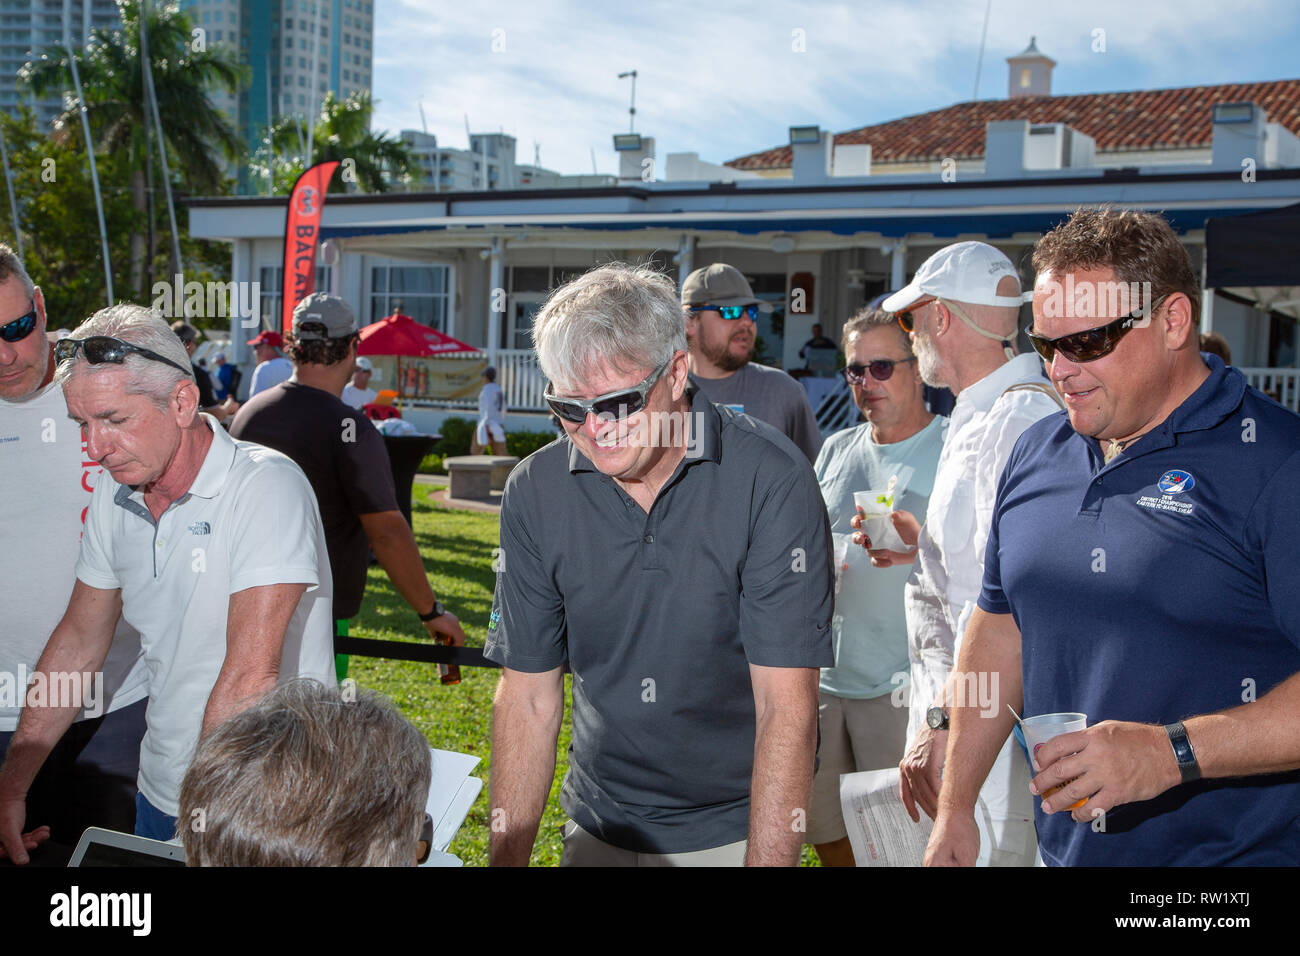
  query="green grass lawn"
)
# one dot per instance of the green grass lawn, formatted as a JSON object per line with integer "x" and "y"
{"x": 457, "y": 550}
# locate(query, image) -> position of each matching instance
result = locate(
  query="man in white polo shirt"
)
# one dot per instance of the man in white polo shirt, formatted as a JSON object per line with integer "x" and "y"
{"x": 213, "y": 549}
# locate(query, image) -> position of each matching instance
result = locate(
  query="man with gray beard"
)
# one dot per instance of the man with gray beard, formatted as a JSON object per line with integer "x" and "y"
{"x": 961, "y": 310}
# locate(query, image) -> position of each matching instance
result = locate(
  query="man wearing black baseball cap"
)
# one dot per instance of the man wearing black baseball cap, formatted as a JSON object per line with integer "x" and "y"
{"x": 345, "y": 459}
{"x": 720, "y": 312}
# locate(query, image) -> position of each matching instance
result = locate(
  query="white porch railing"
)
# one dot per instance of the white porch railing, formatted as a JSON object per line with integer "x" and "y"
{"x": 521, "y": 379}
{"x": 1282, "y": 384}
{"x": 517, "y": 374}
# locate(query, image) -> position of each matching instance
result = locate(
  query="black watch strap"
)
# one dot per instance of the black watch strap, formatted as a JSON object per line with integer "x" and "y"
{"x": 438, "y": 611}
{"x": 1183, "y": 753}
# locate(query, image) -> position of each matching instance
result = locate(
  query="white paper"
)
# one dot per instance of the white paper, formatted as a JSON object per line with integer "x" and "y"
{"x": 452, "y": 792}
{"x": 880, "y": 831}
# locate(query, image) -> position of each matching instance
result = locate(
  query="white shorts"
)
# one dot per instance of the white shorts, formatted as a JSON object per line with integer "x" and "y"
{"x": 488, "y": 432}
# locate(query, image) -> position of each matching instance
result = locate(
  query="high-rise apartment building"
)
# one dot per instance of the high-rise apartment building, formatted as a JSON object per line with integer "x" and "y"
{"x": 28, "y": 28}
{"x": 296, "y": 50}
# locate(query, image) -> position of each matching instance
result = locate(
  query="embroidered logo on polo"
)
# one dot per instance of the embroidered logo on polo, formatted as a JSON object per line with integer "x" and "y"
{"x": 200, "y": 527}
{"x": 1172, "y": 484}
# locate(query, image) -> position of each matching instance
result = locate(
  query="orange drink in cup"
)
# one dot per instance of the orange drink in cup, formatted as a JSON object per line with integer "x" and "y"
{"x": 1039, "y": 730}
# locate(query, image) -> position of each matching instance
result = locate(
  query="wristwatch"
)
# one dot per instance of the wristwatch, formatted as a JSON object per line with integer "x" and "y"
{"x": 937, "y": 718}
{"x": 438, "y": 611}
{"x": 1183, "y": 753}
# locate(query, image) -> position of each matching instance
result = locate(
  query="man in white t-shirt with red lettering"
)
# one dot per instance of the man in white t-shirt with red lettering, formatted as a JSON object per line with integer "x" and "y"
{"x": 46, "y": 480}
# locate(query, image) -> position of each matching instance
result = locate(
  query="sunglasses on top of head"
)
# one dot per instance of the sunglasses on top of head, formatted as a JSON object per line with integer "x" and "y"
{"x": 730, "y": 312}
{"x": 100, "y": 349}
{"x": 1092, "y": 344}
{"x": 611, "y": 406}
{"x": 19, "y": 328}
{"x": 881, "y": 370}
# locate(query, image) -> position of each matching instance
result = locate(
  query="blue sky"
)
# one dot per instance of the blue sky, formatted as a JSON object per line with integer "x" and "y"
{"x": 725, "y": 78}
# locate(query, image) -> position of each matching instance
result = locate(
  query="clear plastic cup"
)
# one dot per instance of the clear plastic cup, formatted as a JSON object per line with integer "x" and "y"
{"x": 876, "y": 506}
{"x": 1042, "y": 728}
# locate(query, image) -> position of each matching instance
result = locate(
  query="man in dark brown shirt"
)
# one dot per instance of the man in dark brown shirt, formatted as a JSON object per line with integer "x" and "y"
{"x": 344, "y": 458}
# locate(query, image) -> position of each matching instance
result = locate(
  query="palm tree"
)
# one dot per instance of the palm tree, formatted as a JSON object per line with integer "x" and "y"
{"x": 370, "y": 162}
{"x": 197, "y": 134}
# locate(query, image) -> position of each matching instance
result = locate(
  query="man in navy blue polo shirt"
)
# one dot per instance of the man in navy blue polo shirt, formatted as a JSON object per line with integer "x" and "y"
{"x": 676, "y": 555}
{"x": 1141, "y": 570}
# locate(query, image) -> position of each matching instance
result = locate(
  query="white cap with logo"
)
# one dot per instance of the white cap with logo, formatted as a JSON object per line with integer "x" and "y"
{"x": 963, "y": 272}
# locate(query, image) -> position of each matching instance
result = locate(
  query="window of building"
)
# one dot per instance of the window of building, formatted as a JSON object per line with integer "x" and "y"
{"x": 423, "y": 292}
{"x": 270, "y": 279}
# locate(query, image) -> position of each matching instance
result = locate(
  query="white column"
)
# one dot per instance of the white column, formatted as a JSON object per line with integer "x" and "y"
{"x": 898, "y": 266}
{"x": 496, "y": 281}
{"x": 241, "y": 273}
{"x": 1207, "y": 295}
{"x": 685, "y": 258}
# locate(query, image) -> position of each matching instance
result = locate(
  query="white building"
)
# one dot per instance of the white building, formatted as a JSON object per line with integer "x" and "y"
{"x": 844, "y": 221}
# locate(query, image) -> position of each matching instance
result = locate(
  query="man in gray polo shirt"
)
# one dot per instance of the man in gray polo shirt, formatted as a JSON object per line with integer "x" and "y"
{"x": 676, "y": 555}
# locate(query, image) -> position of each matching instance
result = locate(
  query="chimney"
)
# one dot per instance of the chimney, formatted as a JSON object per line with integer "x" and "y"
{"x": 810, "y": 148}
{"x": 1239, "y": 131}
{"x": 1030, "y": 73}
{"x": 633, "y": 150}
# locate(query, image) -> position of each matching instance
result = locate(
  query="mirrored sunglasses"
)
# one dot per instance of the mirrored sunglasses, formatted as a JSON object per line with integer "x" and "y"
{"x": 731, "y": 312}
{"x": 19, "y": 328}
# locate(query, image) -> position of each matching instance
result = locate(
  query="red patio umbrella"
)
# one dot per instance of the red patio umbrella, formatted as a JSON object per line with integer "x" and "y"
{"x": 399, "y": 335}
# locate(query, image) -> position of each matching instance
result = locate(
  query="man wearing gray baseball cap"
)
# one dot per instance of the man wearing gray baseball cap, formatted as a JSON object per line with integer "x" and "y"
{"x": 721, "y": 310}
{"x": 345, "y": 459}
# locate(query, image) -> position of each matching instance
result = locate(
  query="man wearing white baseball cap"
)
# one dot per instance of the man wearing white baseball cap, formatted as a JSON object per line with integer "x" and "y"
{"x": 358, "y": 393}
{"x": 962, "y": 309}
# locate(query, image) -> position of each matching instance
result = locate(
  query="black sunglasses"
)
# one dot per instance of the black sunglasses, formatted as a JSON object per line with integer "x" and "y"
{"x": 730, "y": 312}
{"x": 99, "y": 349}
{"x": 19, "y": 328}
{"x": 1092, "y": 344}
{"x": 612, "y": 405}
{"x": 881, "y": 370}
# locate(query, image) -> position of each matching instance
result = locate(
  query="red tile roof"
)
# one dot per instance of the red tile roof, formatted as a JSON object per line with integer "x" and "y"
{"x": 1137, "y": 120}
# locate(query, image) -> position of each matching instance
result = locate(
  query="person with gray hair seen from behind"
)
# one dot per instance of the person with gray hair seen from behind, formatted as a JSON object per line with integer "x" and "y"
{"x": 675, "y": 555}
{"x": 309, "y": 777}
{"x": 213, "y": 549}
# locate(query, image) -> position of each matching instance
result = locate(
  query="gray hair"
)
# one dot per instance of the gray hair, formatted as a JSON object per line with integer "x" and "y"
{"x": 142, "y": 327}
{"x": 307, "y": 777}
{"x": 866, "y": 319}
{"x": 12, "y": 267}
{"x": 627, "y": 316}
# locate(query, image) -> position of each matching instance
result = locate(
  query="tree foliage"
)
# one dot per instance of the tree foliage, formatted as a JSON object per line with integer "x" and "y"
{"x": 369, "y": 162}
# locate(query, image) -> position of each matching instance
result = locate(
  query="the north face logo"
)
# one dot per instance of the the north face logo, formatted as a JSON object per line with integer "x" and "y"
{"x": 200, "y": 527}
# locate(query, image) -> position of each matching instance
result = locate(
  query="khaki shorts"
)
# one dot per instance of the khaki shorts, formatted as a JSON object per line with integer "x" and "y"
{"x": 856, "y": 735}
{"x": 583, "y": 849}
